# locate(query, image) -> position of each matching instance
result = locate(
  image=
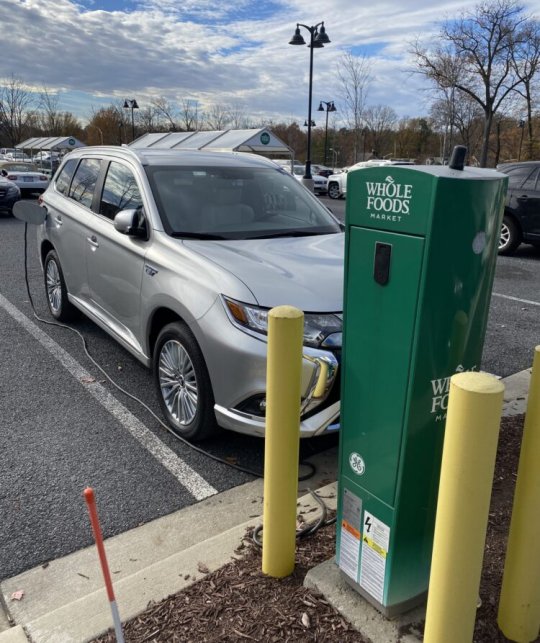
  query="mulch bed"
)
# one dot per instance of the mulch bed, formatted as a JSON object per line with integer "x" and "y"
{"x": 238, "y": 603}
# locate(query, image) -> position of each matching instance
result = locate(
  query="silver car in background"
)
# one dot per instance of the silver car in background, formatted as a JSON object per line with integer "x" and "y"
{"x": 179, "y": 255}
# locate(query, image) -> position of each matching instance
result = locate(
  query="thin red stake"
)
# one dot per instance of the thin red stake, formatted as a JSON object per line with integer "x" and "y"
{"x": 94, "y": 520}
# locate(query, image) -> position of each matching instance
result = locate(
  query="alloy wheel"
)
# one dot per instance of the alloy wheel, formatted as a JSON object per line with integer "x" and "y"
{"x": 177, "y": 382}
{"x": 54, "y": 286}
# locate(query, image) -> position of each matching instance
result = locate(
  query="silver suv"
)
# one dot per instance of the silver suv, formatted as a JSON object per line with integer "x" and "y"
{"x": 179, "y": 255}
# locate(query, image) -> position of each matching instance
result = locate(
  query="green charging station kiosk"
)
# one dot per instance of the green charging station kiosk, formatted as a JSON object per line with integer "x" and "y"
{"x": 421, "y": 247}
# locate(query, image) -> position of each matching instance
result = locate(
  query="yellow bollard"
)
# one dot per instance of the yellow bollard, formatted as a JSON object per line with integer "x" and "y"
{"x": 470, "y": 447}
{"x": 282, "y": 440}
{"x": 519, "y": 606}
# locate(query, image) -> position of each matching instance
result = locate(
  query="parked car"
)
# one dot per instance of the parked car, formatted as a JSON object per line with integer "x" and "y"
{"x": 179, "y": 255}
{"x": 45, "y": 155}
{"x": 322, "y": 170}
{"x": 521, "y": 222}
{"x": 337, "y": 183}
{"x": 25, "y": 175}
{"x": 9, "y": 195}
{"x": 320, "y": 183}
{"x": 12, "y": 154}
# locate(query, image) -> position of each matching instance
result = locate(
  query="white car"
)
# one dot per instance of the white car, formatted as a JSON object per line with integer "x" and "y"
{"x": 26, "y": 176}
{"x": 337, "y": 183}
{"x": 46, "y": 156}
{"x": 320, "y": 183}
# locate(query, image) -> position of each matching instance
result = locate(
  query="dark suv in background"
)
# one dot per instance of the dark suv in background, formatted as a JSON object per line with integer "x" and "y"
{"x": 521, "y": 223}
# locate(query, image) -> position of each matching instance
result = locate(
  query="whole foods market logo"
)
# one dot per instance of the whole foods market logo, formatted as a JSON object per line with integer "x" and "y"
{"x": 441, "y": 391}
{"x": 388, "y": 200}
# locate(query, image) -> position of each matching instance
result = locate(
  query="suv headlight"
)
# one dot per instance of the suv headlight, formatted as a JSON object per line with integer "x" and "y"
{"x": 13, "y": 189}
{"x": 317, "y": 326}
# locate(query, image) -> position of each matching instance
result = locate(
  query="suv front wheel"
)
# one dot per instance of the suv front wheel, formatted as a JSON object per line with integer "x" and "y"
{"x": 183, "y": 384}
{"x": 510, "y": 236}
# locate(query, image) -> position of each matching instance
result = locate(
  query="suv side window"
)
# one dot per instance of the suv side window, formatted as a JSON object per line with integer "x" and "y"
{"x": 120, "y": 191}
{"x": 84, "y": 181}
{"x": 530, "y": 183}
{"x": 63, "y": 180}
{"x": 517, "y": 175}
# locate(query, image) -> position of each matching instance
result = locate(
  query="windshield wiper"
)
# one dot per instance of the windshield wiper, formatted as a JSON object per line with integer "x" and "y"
{"x": 196, "y": 235}
{"x": 292, "y": 233}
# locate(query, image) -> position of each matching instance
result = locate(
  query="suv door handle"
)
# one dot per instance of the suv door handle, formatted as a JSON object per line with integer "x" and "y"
{"x": 93, "y": 241}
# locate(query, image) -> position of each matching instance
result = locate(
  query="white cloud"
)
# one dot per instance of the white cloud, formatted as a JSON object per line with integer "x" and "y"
{"x": 234, "y": 52}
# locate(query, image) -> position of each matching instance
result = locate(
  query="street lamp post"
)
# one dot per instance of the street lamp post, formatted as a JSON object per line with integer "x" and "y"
{"x": 131, "y": 103}
{"x": 334, "y": 158}
{"x": 330, "y": 107}
{"x": 317, "y": 39}
{"x": 98, "y": 129}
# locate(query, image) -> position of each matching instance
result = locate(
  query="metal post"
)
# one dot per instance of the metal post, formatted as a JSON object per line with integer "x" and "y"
{"x": 519, "y": 607}
{"x": 282, "y": 439}
{"x": 468, "y": 463}
{"x": 326, "y": 135}
{"x": 307, "y": 174}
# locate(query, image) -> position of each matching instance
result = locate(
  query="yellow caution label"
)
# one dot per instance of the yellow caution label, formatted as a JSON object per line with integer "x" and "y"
{"x": 382, "y": 552}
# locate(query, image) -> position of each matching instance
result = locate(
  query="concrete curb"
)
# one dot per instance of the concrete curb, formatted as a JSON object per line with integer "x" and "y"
{"x": 89, "y": 616}
{"x": 65, "y": 603}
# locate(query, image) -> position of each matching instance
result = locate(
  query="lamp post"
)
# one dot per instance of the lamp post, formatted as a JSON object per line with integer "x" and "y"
{"x": 98, "y": 129}
{"x": 334, "y": 158}
{"x": 317, "y": 39}
{"x": 131, "y": 103}
{"x": 330, "y": 107}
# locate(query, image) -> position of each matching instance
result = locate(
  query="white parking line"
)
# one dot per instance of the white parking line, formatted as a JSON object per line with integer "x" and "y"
{"x": 522, "y": 301}
{"x": 186, "y": 476}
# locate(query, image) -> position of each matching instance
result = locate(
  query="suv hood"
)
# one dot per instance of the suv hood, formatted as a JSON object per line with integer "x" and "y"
{"x": 306, "y": 272}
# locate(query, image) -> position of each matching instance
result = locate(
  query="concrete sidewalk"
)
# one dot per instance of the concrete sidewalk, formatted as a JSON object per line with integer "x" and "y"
{"x": 65, "y": 602}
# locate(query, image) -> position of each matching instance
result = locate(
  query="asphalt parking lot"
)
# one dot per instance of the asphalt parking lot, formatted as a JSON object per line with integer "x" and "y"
{"x": 64, "y": 427}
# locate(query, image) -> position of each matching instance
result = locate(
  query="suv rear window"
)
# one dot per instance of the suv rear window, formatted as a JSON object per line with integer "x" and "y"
{"x": 84, "y": 181}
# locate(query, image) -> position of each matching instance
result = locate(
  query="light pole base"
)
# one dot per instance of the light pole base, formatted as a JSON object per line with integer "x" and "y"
{"x": 309, "y": 184}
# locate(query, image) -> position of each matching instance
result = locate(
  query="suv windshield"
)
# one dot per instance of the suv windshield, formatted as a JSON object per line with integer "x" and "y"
{"x": 236, "y": 203}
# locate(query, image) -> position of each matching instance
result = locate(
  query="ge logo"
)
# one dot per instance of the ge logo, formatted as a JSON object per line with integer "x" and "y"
{"x": 357, "y": 463}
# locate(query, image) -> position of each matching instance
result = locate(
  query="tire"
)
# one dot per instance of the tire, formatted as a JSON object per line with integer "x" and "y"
{"x": 333, "y": 190}
{"x": 55, "y": 289}
{"x": 183, "y": 384}
{"x": 510, "y": 236}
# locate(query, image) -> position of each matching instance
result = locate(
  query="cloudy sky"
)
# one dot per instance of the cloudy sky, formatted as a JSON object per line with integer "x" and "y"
{"x": 93, "y": 52}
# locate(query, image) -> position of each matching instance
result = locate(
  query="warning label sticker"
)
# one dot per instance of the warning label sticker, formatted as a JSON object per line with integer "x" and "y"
{"x": 375, "y": 542}
{"x": 349, "y": 548}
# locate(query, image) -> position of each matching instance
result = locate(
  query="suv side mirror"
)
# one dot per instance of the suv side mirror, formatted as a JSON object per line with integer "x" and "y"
{"x": 132, "y": 223}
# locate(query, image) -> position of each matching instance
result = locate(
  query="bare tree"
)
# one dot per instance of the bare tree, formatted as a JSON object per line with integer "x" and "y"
{"x": 189, "y": 115}
{"x": 167, "y": 112}
{"x": 49, "y": 114}
{"x": 354, "y": 74}
{"x": 15, "y": 109}
{"x": 148, "y": 119}
{"x": 476, "y": 57}
{"x": 218, "y": 117}
{"x": 239, "y": 118}
{"x": 526, "y": 59}
{"x": 379, "y": 119}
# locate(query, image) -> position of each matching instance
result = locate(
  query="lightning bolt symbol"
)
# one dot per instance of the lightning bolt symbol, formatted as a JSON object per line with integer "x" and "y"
{"x": 367, "y": 524}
